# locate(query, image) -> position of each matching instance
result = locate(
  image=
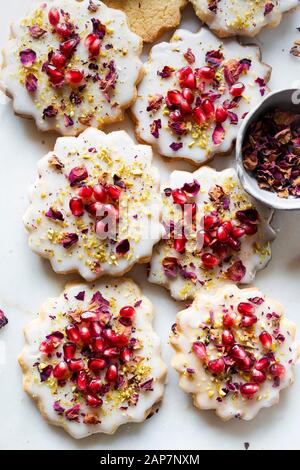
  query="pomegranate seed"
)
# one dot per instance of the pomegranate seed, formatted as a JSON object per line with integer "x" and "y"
{"x": 61, "y": 371}
{"x": 262, "y": 364}
{"x": 95, "y": 386}
{"x": 175, "y": 115}
{"x": 248, "y": 321}
{"x": 186, "y": 77}
{"x": 98, "y": 345}
{"x": 53, "y": 16}
{"x": 101, "y": 228}
{"x": 245, "y": 308}
{"x": 63, "y": 30}
{"x": 76, "y": 365}
{"x": 109, "y": 334}
{"x": 277, "y": 370}
{"x": 127, "y": 312}
{"x": 55, "y": 76}
{"x": 85, "y": 334}
{"x": 221, "y": 250}
{"x": 209, "y": 261}
{"x": 234, "y": 244}
{"x": 238, "y": 232}
{"x": 93, "y": 44}
{"x": 216, "y": 366}
{"x": 199, "y": 115}
{"x": 173, "y": 98}
{"x": 67, "y": 48}
{"x": 249, "y": 388}
{"x": 188, "y": 95}
{"x": 185, "y": 107}
{"x": 206, "y": 72}
{"x": 266, "y": 339}
{"x": 89, "y": 316}
{"x": 229, "y": 319}
{"x": 73, "y": 333}
{"x": 111, "y": 374}
{"x": 69, "y": 350}
{"x": 245, "y": 364}
{"x": 179, "y": 196}
{"x": 81, "y": 381}
{"x": 47, "y": 347}
{"x": 114, "y": 192}
{"x": 110, "y": 353}
{"x": 208, "y": 109}
{"x": 126, "y": 355}
{"x": 120, "y": 340}
{"x": 93, "y": 402}
{"x": 94, "y": 208}
{"x": 237, "y": 89}
{"x": 97, "y": 364}
{"x": 95, "y": 329}
{"x": 258, "y": 376}
{"x": 223, "y": 232}
{"x": 221, "y": 114}
{"x": 74, "y": 77}
{"x": 58, "y": 60}
{"x": 179, "y": 244}
{"x": 210, "y": 221}
{"x": 76, "y": 206}
{"x": 199, "y": 349}
{"x": 85, "y": 192}
{"x": 238, "y": 352}
{"x": 250, "y": 229}
{"x": 111, "y": 211}
{"x": 227, "y": 338}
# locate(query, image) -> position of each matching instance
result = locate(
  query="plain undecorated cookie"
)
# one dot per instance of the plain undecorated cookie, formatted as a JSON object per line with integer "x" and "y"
{"x": 150, "y": 19}
{"x": 215, "y": 233}
{"x": 81, "y": 72}
{"x": 234, "y": 351}
{"x": 245, "y": 18}
{"x": 195, "y": 94}
{"x": 95, "y": 207}
{"x": 92, "y": 360}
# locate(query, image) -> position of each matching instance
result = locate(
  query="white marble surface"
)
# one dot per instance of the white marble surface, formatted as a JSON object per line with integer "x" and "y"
{"x": 26, "y": 281}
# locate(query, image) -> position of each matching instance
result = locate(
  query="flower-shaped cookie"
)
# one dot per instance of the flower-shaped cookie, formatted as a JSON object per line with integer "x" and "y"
{"x": 245, "y": 18}
{"x": 92, "y": 360}
{"x": 195, "y": 94}
{"x": 96, "y": 206}
{"x": 214, "y": 233}
{"x": 235, "y": 351}
{"x": 72, "y": 64}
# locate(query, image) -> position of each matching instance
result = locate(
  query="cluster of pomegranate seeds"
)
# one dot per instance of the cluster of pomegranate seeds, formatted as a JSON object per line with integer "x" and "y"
{"x": 221, "y": 236}
{"x": 235, "y": 358}
{"x": 92, "y": 352}
{"x": 195, "y": 99}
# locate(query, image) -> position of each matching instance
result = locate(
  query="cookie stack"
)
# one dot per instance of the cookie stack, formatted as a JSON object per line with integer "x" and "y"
{"x": 92, "y": 360}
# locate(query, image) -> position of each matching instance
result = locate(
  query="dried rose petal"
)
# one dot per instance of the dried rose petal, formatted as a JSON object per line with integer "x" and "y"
{"x": 154, "y": 128}
{"x": 36, "y": 32}
{"x": 189, "y": 56}
{"x": 154, "y": 102}
{"x": 146, "y": 386}
{"x": 58, "y": 408}
{"x": 80, "y": 296}
{"x": 175, "y": 146}
{"x": 50, "y": 112}
{"x": 166, "y": 72}
{"x": 170, "y": 266}
{"x": 268, "y": 8}
{"x": 3, "y": 319}
{"x": 236, "y": 272}
{"x": 218, "y": 134}
{"x": 123, "y": 247}
{"x": 192, "y": 188}
{"x": 68, "y": 120}
{"x": 27, "y": 57}
{"x": 214, "y": 58}
{"x": 72, "y": 414}
{"x": 78, "y": 174}
{"x": 45, "y": 373}
{"x": 69, "y": 239}
{"x": 248, "y": 216}
{"x": 31, "y": 82}
{"x": 54, "y": 214}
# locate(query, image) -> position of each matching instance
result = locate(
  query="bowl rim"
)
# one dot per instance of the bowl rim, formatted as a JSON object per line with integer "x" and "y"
{"x": 250, "y": 184}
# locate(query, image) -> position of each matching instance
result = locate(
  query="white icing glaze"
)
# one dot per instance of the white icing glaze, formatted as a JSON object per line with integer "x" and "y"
{"x": 255, "y": 249}
{"x": 198, "y": 145}
{"x": 246, "y": 18}
{"x": 95, "y": 110}
{"x": 139, "y": 205}
{"x": 119, "y": 293}
{"x": 202, "y": 384}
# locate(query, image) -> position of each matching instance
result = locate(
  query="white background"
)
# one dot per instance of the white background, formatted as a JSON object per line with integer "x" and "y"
{"x": 26, "y": 281}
